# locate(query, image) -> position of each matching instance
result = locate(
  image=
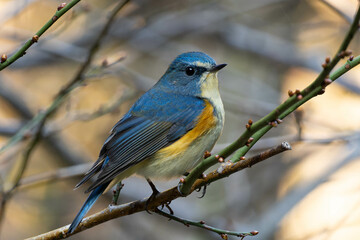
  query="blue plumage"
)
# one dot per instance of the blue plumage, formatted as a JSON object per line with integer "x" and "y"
{"x": 146, "y": 140}
{"x": 94, "y": 195}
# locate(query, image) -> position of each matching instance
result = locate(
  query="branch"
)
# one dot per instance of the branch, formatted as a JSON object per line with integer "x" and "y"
{"x": 22, "y": 51}
{"x": 112, "y": 212}
{"x": 262, "y": 126}
{"x": 74, "y": 83}
{"x": 201, "y": 224}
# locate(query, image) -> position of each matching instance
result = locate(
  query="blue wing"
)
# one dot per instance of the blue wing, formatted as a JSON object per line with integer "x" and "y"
{"x": 153, "y": 123}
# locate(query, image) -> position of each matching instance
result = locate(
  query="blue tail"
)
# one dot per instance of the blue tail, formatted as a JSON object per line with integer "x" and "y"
{"x": 95, "y": 194}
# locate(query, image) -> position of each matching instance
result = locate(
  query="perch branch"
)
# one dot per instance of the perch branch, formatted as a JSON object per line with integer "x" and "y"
{"x": 112, "y": 212}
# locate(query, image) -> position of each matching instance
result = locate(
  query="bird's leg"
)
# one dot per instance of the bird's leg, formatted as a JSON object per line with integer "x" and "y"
{"x": 152, "y": 197}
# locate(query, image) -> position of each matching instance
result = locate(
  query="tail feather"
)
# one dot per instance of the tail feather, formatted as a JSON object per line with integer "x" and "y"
{"x": 95, "y": 194}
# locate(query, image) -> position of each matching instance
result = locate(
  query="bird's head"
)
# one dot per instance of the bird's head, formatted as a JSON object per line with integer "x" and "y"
{"x": 192, "y": 73}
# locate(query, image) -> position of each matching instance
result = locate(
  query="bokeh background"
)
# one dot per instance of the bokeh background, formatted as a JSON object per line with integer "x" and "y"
{"x": 270, "y": 46}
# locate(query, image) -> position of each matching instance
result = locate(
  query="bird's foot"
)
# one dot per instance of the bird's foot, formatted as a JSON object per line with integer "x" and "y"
{"x": 203, "y": 190}
{"x": 167, "y": 205}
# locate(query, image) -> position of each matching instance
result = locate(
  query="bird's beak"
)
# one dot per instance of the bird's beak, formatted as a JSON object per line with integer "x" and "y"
{"x": 217, "y": 67}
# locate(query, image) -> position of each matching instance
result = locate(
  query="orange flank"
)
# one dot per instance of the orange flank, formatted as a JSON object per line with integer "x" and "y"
{"x": 205, "y": 121}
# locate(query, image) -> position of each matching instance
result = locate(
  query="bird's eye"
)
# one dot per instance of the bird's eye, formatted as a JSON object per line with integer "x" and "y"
{"x": 189, "y": 71}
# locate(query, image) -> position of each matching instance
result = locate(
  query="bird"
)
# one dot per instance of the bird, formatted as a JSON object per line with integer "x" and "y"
{"x": 166, "y": 131}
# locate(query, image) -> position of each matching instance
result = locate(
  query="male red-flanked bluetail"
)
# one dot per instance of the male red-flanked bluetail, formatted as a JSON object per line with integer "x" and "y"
{"x": 166, "y": 132}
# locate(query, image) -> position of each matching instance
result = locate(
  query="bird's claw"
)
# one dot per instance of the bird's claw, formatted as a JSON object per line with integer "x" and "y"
{"x": 167, "y": 205}
{"x": 203, "y": 190}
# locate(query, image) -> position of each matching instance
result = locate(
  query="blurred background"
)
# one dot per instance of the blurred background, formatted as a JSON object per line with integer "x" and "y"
{"x": 270, "y": 46}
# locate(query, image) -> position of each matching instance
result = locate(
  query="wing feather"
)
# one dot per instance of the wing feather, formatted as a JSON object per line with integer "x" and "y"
{"x": 134, "y": 150}
{"x": 142, "y": 133}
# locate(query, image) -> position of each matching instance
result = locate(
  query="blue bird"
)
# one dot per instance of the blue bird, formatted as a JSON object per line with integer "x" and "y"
{"x": 165, "y": 133}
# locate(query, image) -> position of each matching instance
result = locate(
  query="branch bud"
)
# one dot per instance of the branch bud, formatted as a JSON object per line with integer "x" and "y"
{"x": 224, "y": 236}
{"x": 35, "y": 38}
{"x": 248, "y": 125}
{"x": 207, "y": 154}
{"x": 326, "y": 82}
{"x": 322, "y": 91}
{"x": 61, "y": 6}
{"x": 250, "y": 140}
{"x": 3, "y": 58}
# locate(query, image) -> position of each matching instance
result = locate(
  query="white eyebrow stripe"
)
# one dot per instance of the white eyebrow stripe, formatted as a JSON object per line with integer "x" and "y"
{"x": 202, "y": 64}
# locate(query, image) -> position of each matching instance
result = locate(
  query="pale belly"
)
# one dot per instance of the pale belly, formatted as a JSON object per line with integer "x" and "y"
{"x": 166, "y": 166}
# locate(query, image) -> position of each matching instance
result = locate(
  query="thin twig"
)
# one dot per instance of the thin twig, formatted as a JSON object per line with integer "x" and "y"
{"x": 74, "y": 83}
{"x": 202, "y": 224}
{"x": 21, "y": 52}
{"x": 116, "y": 193}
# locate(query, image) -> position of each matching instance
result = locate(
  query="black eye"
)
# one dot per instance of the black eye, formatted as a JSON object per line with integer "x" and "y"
{"x": 189, "y": 71}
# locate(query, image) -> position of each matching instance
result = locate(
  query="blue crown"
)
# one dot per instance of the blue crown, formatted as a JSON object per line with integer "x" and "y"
{"x": 191, "y": 57}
